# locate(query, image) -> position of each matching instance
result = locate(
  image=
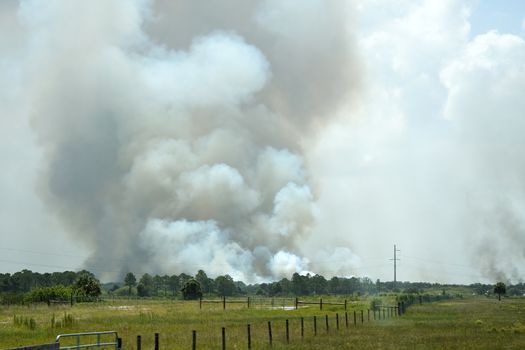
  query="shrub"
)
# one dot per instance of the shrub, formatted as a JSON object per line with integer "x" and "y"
{"x": 47, "y": 294}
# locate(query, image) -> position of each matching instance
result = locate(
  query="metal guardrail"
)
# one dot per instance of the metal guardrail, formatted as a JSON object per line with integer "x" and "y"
{"x": 116, "y": 342}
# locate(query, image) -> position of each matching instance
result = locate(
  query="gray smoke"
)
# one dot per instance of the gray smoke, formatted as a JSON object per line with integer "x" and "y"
{"x": 173, "y": 130}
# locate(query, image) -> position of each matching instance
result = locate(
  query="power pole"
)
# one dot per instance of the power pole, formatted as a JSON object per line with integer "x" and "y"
{"x": 395, "y": 265}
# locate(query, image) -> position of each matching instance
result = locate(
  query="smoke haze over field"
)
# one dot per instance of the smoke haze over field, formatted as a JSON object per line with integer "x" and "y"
{"x": 263, "y": 138}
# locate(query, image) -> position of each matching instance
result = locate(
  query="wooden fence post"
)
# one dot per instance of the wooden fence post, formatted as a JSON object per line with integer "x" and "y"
{"x": 249, "y": 337}
{"x": 346, "y": 319}
{"x": 296, "y": 302}
{"x": 200, "y": 303}
{"x": 345, "y": 304}
{"x": 326, "y": 321}
{"x": 355, "y": 319}
{"x": 156, "y": 341}
{"x": 302, "y": 327}
{"x": 362, "y": 318}
{"x": 374, "y": 314}
{"x": 193, "y": 340}
{"x": 223, "y": 338}
{"x": 248, "y": 302}
{"x": 368, "y": 315}
{"x": 270, "y": 332}
{"x": 119, "y": 343}
{"x": 139, "y": 342}
{"x": 337, "y": 321}
{"x": 224, "y": 303}
{"x": 321, "y": 304}
{"x": 315, "y": 325}
{"x": 287, "y": 332}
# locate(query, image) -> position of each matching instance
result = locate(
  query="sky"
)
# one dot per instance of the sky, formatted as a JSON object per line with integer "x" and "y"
{"x": 295, "y": 136}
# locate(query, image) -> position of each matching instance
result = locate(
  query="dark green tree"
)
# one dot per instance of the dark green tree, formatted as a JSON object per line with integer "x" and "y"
{"x": 174, "y": 284}
{"x": 499, "y": 289}
{"x": 145, "y": 286}
{"x": 165, "y": 284}
{"x": 318, "y": 284}
{"x": 157, "y": 284}
{"x": 274, "y": 289}
{"x": 225, "y": 285}
{"x": 300, "y": 284}
{"x": 191, "y": 290}
{"x": 334, "y": 285}
{"x": 130, "y": 280}
{"x": 206, "y": 283}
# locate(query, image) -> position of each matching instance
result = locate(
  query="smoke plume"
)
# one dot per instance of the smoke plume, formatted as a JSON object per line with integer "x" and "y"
{"x": 173, "y": 131}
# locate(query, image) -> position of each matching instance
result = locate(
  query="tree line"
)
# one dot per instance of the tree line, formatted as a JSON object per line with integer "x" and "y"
{"x": 27, "y": 286}
{"x": 45, "y": 286}
{"x": 26, "y": 280}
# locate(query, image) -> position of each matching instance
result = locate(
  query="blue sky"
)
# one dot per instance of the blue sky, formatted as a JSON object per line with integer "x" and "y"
{"x": 506, "y": 16}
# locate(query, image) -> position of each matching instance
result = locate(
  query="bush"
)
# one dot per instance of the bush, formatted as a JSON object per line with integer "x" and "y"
{"x": 47, "y": 294}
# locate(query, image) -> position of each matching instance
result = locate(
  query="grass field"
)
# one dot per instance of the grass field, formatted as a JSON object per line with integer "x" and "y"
{"x": 472, "y": 323}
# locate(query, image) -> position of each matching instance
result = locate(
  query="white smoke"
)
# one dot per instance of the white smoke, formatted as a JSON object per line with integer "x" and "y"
{"x": 173, "y": 145}
{"x": 433, "y": 160}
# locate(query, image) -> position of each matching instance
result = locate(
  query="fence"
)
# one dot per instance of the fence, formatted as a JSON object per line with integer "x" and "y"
{"x": 253, "y": 302}
{"x": 93, "y": 339}
{"x": 312, "y": 326}
{"x": 273, "y": 303}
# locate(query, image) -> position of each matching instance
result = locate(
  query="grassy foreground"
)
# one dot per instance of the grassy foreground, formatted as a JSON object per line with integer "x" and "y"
{"x": 476, "y": 323}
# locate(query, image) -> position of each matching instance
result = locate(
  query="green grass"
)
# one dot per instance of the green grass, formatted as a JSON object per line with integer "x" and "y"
{"x": 472, "y": 323}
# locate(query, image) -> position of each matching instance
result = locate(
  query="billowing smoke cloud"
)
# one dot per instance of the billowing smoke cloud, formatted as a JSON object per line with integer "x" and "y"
{"x": 179, "y": 135}
{"x": 173, "y": 130}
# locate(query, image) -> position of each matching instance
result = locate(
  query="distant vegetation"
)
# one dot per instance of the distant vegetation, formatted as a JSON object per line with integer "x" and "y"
{"x": 28, "y": 286}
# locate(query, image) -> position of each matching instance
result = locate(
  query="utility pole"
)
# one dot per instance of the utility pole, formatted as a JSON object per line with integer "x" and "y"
{"x": 395, "y": 266}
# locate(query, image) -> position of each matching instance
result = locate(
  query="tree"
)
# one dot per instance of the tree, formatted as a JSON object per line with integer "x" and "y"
{"x": 87, "y": 285}
{"x": 191, "y": 290}
{"x": 173, "y": 283}
{"x": 145, "y": 286}
{"x": 318, "y": 284}
{"x": 206, "y": 283}
{"x": 165, "y": 284}
{"x": 499, "y": 289}
{"x": 225, "y": 285}
{"x": 334, "y": 285}
{"x": 300, "y": 284}
{"x": 130, "y": 280}
{"x": 157, "y": 284}
{"x": 275, "y": 288}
